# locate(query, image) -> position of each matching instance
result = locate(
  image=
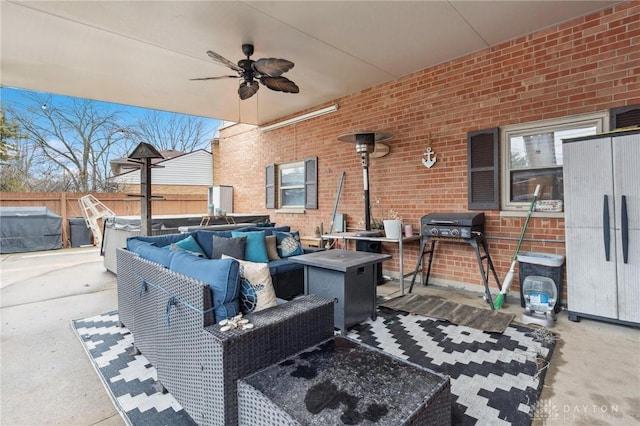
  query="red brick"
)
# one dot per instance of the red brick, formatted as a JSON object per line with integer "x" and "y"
{"x": 589, "y": 64}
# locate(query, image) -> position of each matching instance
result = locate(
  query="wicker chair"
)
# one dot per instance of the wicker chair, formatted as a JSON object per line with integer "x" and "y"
{"x": 170, "y": 317}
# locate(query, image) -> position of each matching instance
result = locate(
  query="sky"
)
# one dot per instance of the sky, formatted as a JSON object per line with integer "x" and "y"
{"x": 13, "y": 97}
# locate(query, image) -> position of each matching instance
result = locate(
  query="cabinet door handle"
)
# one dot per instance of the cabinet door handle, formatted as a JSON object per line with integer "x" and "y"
{"x": 625, "y": 230}
{"x": 606, "y": 232}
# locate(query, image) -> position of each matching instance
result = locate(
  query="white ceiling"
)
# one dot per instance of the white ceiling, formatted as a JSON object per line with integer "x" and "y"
{"x": 143, "y": 53}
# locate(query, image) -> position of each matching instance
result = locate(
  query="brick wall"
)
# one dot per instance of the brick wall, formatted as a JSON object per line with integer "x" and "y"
{"x": 589, "y": 64}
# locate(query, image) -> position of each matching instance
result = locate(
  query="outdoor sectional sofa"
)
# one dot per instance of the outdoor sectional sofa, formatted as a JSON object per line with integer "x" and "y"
{"x": 173, "y": 321}
{"x": 287, "y": 276}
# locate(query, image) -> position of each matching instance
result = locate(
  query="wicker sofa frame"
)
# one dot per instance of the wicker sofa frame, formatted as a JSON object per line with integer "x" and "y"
{"x": 172, "y": 323}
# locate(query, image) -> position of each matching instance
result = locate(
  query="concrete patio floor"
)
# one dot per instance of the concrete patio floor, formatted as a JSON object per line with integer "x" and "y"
{"x": 46, "y": 378}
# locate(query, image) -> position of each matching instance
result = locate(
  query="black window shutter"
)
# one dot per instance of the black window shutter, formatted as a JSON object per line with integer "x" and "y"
{"x": 625, "y": 116}
{"x": 270, "y": 186}
{"x": 482, "y": 169}
{"x": 311, "y": 183}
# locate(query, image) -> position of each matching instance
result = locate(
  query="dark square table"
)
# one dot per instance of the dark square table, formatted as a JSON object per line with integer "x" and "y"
{"x": 341, "y": 381}
{"x": 348, "y": 277}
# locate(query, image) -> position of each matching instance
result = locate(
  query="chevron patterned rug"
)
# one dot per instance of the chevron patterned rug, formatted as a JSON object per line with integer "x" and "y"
{"x": 496, "y": 378}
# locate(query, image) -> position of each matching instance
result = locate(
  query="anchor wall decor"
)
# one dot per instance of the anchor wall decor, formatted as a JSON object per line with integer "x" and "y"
{"x": 427, "y": 160}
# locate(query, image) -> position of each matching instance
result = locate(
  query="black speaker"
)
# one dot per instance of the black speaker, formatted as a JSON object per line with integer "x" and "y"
{"x": 372, "y": 247}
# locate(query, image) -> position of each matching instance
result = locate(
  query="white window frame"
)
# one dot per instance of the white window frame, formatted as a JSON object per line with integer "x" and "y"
{"x": 281, "y": 187}
{"x": 598, "y": 119}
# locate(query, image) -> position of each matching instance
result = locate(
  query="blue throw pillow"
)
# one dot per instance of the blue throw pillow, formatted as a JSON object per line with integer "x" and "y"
{"x": 255, "y": 249}
{"x": 222, "y": 275}
{"x": 189, "y": 245}
{"x": 288, "y": 244}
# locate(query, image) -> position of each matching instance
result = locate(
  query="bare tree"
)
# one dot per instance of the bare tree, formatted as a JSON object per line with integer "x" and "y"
{"x": 168, "y": 131}
{"x": 15, "y": 156}
{"x": 9, "y": 133}
{"x": 68, "y": 143}
{"x": 75, "y": 138}
{"x": 17, "y": 172}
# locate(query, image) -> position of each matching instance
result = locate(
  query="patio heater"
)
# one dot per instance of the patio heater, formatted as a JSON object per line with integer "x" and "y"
{"x": 143, "y": 154}
{"x": 365, "y": 145}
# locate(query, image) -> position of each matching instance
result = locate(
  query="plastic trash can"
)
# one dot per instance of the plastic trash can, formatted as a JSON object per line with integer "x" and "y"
{"x": 541, "y": 265}
{"x": 79, "y": 233}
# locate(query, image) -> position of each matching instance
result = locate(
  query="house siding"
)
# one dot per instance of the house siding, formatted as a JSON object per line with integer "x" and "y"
{"x": 192, "y": 169}
{"x": 585, "y": 65}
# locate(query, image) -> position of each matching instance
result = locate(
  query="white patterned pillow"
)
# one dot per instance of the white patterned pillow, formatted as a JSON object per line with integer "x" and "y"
{"x": 256, "y": 291}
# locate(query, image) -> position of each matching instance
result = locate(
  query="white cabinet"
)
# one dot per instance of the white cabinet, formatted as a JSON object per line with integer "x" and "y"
{"x": 602, "y": 220}
{"x": 221, "y": 196}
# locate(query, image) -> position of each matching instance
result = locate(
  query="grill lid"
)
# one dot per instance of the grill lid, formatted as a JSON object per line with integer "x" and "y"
{"x": 453, "y": 219}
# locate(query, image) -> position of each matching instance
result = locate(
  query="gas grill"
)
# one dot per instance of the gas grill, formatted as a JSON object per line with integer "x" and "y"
{"x": 456, "y": 227}
{"x": 452, "y": 225}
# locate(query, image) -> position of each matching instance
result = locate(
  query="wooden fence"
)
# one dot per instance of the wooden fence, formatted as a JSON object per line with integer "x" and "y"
{"x": 67, "y": 205}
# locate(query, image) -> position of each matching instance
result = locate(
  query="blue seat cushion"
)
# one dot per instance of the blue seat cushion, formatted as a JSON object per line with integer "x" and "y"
{"x": 152, "y": 253}
{"x": 222, "y": 275}
{"x": 266, "y": 230}
{"x": 158, "y": 240}
{"x": 283, "y": 265}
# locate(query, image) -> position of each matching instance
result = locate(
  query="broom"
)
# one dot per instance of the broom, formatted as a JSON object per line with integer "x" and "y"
{"x": 509, "y": 278}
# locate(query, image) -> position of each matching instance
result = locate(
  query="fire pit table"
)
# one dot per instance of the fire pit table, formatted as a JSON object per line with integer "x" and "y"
{"x": 348, "y": 277}
{"x": 341, "y": 381}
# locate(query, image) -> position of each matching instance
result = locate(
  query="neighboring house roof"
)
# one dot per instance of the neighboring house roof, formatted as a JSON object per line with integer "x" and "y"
{"x": 193, "y": 168}
{"x": 121, "y": 165}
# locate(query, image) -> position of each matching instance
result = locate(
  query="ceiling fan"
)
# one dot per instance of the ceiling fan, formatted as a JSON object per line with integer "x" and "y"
{"x": 267, "y": 71}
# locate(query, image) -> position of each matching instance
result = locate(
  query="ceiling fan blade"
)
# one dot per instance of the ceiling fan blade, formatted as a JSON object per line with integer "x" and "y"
{"x": 280, "y": 84}
{"x": 272, "y": 67}
{"x": 248, "y": 89}
{"x": 215, "y": 78}
{"x": 224, "y": 61}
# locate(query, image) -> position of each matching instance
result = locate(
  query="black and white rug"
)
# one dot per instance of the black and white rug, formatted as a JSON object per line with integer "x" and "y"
{"x": 495, "y": 378}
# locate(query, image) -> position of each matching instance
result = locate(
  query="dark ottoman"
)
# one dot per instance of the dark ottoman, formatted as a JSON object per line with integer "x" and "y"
{"x": 343, "y": 382}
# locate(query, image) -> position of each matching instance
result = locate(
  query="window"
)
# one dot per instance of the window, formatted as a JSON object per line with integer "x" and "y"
{"x": 292, "y": 185}
{"x": 532, "y": 155}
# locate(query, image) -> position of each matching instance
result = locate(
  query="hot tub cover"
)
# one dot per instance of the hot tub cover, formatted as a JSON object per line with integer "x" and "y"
{"x": 24, "y": 229}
